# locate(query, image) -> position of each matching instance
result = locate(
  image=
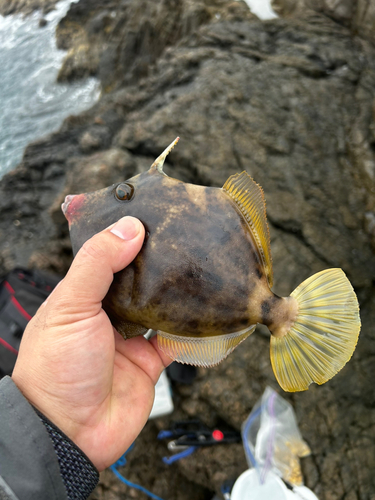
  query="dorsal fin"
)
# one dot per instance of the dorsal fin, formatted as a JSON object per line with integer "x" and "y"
{"x": 249, "y": 198}
{"x": 159, "y": 162}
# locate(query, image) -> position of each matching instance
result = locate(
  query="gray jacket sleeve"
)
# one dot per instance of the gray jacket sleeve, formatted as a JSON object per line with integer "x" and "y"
{"x": 29, "y": 468}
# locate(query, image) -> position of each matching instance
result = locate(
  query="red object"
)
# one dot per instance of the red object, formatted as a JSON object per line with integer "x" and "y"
{"x": 24, "y": 313}
{"x": 217, "y": 435}
{"x": 9, "y": 347}
{"x": 8, "y": 287}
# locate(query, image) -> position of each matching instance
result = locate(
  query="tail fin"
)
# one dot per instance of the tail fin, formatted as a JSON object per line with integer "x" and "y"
{"x": 324, "y": 335}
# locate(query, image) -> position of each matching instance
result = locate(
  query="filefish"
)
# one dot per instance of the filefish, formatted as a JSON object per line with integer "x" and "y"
{"x": 203, "y": 277}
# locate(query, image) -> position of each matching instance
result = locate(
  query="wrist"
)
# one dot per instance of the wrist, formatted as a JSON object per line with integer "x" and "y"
{"x": 78, "y": 473}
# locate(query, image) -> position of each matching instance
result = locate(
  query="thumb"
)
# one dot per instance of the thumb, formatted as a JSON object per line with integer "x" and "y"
{"x": 106, "y": 253}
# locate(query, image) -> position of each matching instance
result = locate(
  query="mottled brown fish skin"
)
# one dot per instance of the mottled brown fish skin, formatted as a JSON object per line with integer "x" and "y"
{"x": 199, "y": 272}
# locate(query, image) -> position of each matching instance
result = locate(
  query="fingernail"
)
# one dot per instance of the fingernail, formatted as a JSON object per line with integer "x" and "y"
{"x": 126, "y": 228}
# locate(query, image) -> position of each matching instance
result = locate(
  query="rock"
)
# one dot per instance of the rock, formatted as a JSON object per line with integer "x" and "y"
{"x": 292, "y": 102}
{"x": 359, "y": 15}
{"x": 78, "y": 64}
{"x": 25, "y": 7}
{"x": 94, "y": 35}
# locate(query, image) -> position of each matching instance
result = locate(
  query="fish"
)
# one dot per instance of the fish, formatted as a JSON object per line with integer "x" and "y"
{"x": 203, "y": 278}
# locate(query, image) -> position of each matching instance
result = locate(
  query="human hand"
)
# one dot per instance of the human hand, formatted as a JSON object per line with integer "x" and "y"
{"x": 76, "y": 369}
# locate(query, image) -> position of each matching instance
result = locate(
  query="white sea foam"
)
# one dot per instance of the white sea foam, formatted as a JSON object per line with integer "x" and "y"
{"x": 262, "y": 9}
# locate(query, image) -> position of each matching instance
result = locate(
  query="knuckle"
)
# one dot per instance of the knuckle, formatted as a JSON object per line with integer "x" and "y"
{"x": 93, "y": 250}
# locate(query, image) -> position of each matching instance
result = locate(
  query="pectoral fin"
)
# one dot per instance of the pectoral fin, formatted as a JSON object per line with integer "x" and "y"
{"x": 201, "y": 351}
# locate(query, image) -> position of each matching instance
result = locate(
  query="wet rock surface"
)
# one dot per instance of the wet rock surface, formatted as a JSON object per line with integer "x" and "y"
{"x": 291, "y": 101}
{"x": 358, "y": 15}
{"x": 25, "y": 7}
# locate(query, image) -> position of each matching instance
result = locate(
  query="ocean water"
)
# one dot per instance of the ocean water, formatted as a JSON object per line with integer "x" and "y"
{"x": 32, "y": 104}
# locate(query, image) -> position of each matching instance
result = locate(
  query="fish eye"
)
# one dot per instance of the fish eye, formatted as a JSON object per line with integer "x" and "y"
{"x": 124, "y": 192}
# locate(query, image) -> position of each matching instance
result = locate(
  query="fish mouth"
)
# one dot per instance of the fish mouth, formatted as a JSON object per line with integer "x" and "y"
{"x": 72, "y": 206}
{"x": 67, "y": 202}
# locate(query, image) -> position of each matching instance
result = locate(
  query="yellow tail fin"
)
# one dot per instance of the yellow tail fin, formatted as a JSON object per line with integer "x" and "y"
{"x": 324, "y": 335}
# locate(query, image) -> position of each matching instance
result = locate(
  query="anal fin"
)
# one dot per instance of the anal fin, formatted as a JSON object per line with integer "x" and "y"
{"x": 201, "y": 351}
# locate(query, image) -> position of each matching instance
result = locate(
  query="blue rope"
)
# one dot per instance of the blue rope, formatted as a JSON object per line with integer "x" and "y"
{"x": 177, "y": 456}
{"x": 165, "y": 434}
{"x": 120, "y": 463}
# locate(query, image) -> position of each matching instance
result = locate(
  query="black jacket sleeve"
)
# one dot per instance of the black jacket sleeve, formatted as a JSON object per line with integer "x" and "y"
{"x": 29, "y": 468}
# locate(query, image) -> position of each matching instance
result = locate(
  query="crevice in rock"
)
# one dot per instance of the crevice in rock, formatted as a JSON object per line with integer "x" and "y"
{"x": 299, "y": 235}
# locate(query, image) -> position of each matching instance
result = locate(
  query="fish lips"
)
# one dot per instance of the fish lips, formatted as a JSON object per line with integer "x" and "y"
{"x": 90, "y": 213}
{"x": 71, "y": 206}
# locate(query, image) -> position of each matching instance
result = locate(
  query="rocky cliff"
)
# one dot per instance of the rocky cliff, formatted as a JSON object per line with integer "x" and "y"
{"x": 25, "y": 7}
{"x": 289, "y": 100}
{"x": 357, "y": 15}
